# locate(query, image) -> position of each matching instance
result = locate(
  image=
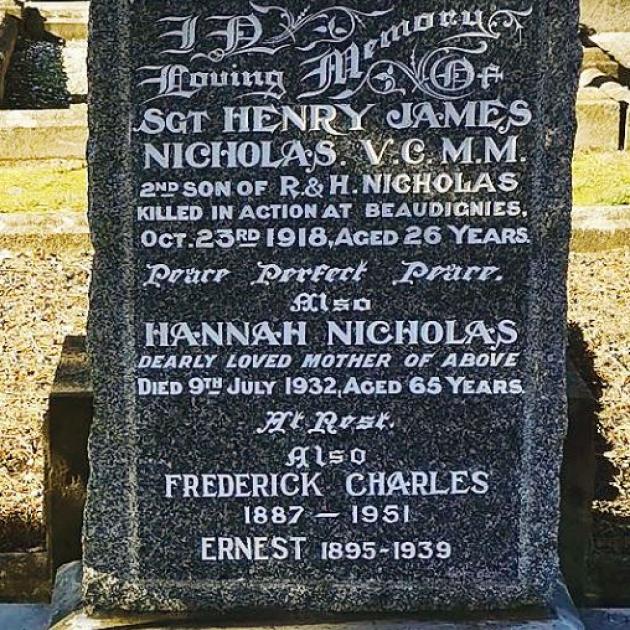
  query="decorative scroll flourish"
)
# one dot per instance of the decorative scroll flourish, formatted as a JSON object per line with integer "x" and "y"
{"x": 244, "y": 34}
{"x": 446, "y": 72}
{"x": 508, "y": 19}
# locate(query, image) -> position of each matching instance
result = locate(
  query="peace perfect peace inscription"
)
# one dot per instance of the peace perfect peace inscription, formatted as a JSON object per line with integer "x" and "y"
{"x": 331, "y": 223}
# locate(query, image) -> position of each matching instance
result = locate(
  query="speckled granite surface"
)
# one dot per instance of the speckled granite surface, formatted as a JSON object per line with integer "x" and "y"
{"x": 69, "y": 615}
{"x": 141, "y": 552}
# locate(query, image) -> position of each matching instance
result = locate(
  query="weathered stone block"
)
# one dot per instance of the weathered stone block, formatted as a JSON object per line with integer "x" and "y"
{"x": 606, "y": 15}
{"x": 599, "y": 120}
{"x": 595, "y": 57}
{"x": 41, "y": 134}
{"x": 67, "y": 20}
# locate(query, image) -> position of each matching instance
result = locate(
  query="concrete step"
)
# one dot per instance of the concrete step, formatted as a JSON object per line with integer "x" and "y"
{"x": 600, "y": 121}
{"x": 68, "y": 20}
{"x": 616, "y": 46}
{"x": 605, "y": 15}
{"x": 75, "y": 65}
{"x": 595, "y": 57}
{"x": 43, "y": 133}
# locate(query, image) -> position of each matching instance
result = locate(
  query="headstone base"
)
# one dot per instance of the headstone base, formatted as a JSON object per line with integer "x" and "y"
{"x": 67, "y": 614}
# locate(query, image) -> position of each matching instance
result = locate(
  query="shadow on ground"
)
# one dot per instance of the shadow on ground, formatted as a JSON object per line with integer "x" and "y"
{"x": 608, "y": 582}
{"x": 18, "y": 534}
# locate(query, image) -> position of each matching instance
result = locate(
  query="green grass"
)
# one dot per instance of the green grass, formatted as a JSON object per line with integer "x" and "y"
{"x": 53, "y": 185}
{"x": 43, "y": 186}
{"x": 601, "y": 179}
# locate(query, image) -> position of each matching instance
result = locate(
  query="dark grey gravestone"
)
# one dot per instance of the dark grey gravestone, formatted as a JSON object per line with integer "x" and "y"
{"x": 328, "y": 309}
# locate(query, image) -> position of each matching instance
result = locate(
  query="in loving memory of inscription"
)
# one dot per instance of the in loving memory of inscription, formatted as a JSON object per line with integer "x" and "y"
{"x": 332, "y": 241}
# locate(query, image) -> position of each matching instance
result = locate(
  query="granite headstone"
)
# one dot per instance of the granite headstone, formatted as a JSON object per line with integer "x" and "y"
{"x": 327, "y": 317}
